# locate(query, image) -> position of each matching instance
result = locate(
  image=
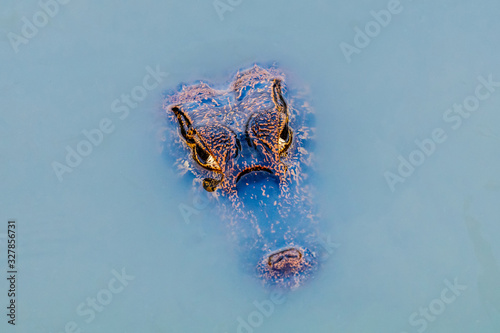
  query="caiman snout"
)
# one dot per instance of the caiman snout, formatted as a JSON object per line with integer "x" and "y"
{"x": 287, "y": 267}
{"x": 287, "y": 262}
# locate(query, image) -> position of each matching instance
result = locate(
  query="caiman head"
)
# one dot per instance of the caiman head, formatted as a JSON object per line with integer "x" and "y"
{"x": 243, "y": 138}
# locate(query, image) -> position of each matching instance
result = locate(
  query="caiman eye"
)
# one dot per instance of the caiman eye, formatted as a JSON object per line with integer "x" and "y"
{"x": 285, "y": 138}
{"x": 204, "y": 158}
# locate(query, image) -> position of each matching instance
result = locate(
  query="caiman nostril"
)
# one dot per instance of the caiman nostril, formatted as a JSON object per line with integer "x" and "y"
{"x": 286, "y": 260}
{"x": 288, "y": 266}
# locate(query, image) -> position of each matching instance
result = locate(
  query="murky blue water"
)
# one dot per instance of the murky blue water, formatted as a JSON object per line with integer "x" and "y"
{"x": 408, "y": 107}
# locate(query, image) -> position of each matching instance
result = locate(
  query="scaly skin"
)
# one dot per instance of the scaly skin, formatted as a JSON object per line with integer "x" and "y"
{"x": 236, "y": 137}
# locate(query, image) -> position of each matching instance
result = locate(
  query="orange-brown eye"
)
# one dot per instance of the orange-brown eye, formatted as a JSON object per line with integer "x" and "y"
{"x": 202, "y": 154}
{"x": 204, "y": 158}
{"x": 285, "y": 138}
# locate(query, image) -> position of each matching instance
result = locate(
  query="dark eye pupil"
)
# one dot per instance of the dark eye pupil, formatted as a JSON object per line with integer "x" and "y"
{"x": 202, "y": 154}
{"x": 284, "y": 133}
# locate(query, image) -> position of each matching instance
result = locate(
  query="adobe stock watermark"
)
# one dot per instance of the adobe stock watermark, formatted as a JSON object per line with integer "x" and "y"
{"x": 94, "y": 137}
{"x": 363, "y": 37}
{"x": 199, "y": 203}
{"x": 453, "y": 117}
{"x": 328, "y": 247}
{"x": 425, "y": 315}
{"x": 223, "y": 6}
{"x": 89, "y": 309}
{"x": 263, "y": 310}
{"x": 30, "y": 28}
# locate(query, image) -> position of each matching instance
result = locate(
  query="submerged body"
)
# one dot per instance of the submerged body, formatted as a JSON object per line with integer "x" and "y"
{"x": 249, "y": 145}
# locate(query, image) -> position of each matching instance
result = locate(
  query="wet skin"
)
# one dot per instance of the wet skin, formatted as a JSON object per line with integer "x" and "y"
{"x": 247, "y": 145}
